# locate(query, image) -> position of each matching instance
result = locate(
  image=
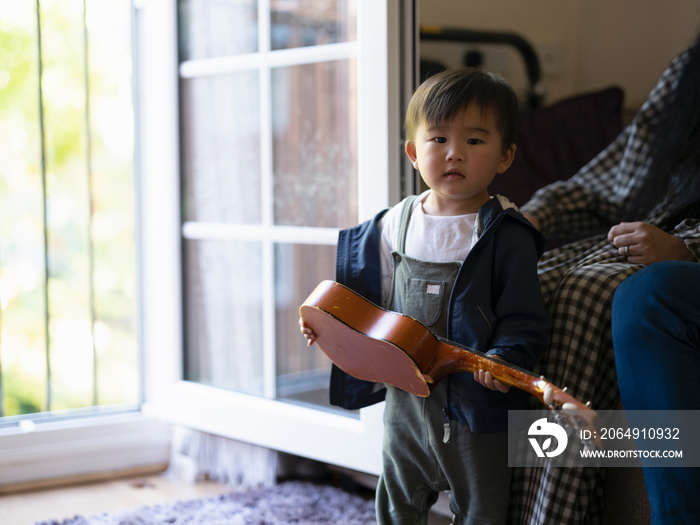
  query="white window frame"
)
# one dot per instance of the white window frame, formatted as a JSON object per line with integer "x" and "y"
{"x": 82, "y": 448}
{"x": 330, "y": 437}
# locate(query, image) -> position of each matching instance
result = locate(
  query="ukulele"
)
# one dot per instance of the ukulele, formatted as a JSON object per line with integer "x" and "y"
{"x": 374, "y": 344}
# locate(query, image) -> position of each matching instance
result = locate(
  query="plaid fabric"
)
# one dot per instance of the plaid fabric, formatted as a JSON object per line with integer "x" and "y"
{"x": 578, "y": 282}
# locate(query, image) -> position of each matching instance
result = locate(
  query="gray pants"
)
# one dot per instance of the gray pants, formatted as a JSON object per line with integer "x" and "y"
{"x": 418, "y": 465}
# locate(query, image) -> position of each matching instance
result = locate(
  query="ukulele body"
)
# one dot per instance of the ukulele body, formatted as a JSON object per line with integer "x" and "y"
{"x": 374, "y": 344}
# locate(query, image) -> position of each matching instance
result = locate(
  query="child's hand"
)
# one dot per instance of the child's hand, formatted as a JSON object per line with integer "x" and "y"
{"x": 485, "y": 378}
{"x": 307, "y": 332}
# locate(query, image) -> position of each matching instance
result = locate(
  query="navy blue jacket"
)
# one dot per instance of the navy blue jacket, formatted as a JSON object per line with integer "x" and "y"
{"x": 496, "y": 307}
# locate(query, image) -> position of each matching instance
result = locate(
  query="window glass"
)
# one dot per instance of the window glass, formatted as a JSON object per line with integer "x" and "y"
{"x": 315, "y": 144}
{"x": 22, "y": 325}
{"x": 269, "y": 155}
{"x": 67, "y": 264}
{"x": 220, "y": 130}
{"x": 224, "y": 315}
{"x": 217, "y": 28}
{"x": 302, "y": 371}
{"x": 301, "y": 23}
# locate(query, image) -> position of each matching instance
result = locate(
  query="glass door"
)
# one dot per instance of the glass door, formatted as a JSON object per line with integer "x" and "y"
{"x": 289, "y": 130}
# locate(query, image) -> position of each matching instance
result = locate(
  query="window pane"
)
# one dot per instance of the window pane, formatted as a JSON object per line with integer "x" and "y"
{"x": 22, "y": 328}
{"x": 67, "y": 207}
{"x": 315, "y": 144}
{"x": 302, "y": 372}
{"x": 271, "y": 147}
{"x": 66, "y": 185}
{"x": 304, "y": 23}
{"x": 217, "y": 28}
{"x": 221, "y": 148}
{"x": 113, "y": 227}
{"x": 223, "y": 306}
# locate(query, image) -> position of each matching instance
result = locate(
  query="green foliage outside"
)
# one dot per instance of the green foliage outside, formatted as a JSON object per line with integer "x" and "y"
{"x": 67, "y": 245}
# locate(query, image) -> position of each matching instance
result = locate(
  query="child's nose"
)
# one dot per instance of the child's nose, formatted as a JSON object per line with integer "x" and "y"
{"x": 455, "y": 154}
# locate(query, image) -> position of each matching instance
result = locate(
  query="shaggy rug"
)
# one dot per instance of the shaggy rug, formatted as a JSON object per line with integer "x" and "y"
{"x": 290, "y": 502}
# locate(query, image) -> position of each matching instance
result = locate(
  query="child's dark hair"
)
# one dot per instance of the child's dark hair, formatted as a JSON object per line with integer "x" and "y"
{"x": 445, "y": 94}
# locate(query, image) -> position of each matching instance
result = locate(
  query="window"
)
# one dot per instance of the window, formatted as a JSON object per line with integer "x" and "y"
{"x": 68, "y": 321}
{"x": 286, "y": 126}
{"x": 70, "y": 359}
{"x": 268, "y": 108}
{"x": 230, "y": 152}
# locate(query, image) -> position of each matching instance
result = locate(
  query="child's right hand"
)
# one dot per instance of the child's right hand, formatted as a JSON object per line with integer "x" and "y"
{"x": 307, "y": 332}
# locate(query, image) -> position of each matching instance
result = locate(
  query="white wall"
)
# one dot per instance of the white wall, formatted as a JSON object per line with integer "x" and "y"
{"x": 631, "y": 41}
{"x": 597, "y": 42}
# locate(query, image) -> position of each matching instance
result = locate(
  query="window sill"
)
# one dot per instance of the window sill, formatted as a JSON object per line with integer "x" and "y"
{"x": 82, "y": 448}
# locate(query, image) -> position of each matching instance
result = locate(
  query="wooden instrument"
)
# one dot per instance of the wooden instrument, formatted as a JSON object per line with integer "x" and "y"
{"x": 374, "y": 344}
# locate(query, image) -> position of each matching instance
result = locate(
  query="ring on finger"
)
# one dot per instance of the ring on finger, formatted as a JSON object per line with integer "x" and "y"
{"x": 627, "y": 251}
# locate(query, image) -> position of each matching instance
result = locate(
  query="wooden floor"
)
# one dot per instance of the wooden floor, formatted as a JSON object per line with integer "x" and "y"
{"x": 28, "y": 507}
{"x": 88, "y": 499}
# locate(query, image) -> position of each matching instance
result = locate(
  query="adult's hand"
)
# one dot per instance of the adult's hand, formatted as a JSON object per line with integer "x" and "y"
{"x": 643, "y": 243}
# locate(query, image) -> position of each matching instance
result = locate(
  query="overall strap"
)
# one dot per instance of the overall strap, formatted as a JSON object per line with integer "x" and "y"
{"x": 403, "y": 223}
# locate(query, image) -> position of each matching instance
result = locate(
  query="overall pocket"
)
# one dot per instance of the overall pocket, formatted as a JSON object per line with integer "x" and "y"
{"x": 424, "y": 299}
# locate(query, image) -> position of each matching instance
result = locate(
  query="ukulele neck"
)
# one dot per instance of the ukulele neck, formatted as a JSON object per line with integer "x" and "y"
{"x": 455, "y": 358}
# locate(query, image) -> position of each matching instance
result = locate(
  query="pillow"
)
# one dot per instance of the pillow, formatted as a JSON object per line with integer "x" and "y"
{"x": 556, "y": 141}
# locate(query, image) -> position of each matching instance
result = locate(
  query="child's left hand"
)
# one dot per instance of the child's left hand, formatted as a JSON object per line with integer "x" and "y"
{"x": 485, "y": 378}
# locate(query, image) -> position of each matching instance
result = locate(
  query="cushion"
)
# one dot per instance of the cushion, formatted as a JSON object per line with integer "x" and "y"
{"x": 556, "y": 141}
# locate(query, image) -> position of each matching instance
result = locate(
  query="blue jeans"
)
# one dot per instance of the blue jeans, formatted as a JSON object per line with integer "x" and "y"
{"x": 656, "y": 336}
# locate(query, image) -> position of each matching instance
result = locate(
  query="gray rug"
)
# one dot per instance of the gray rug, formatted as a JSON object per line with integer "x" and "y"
{"x": 290, "y": 502}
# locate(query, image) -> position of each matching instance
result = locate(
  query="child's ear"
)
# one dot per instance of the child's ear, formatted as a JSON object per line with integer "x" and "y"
{"x": 507, "y": 158}
{"x": 410, "y": 147}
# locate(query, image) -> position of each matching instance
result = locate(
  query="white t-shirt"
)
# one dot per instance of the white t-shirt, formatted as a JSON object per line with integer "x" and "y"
{"x": 428, "y": 238}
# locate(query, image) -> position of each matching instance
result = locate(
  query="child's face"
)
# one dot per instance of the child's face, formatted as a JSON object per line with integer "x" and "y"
{"x": 458, "y": 159}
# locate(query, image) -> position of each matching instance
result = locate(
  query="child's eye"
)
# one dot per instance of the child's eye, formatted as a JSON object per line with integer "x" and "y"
{"x": 440, "y": 140}
{"x": 473, "y": 142}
